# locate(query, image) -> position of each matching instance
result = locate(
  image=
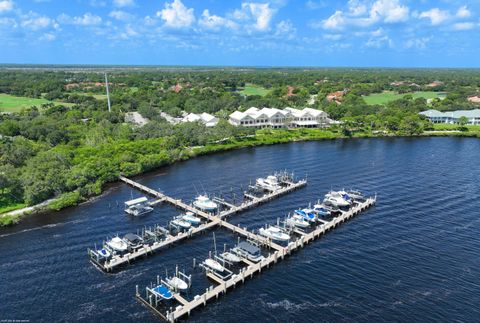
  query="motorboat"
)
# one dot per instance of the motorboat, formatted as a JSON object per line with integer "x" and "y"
{"x": 306, "y": 215}
{"x": 230, "y": 257}
{"x": 177, "y": 283}
{"x": 133, "y": 241}
{"x": 214, "y": 265}
{"x": 138, "y": 207}
{"x": 104, "y": 253}
{"x": 274, "y": 233}
{"x": 247, "y": 250}
{"x": 337, "y": 199}
{"x": 270, "y": 183}
{"x": 181, "y": 223}
{"x": 202, "y": 202}
{"x": 298, "y": 221}
{"x": 191, "y": 218}
{"x": 321, "y": 210}
{"x": 163, "y": 291}
{"x": 354, "y": 194}
{"x": 117, "y": 244}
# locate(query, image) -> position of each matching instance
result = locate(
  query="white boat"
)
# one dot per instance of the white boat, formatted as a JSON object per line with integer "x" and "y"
{"x": 356, "y": 195}
{"x": 270, "y": 183}
{"x": 213, "y": 264}
{"x": 321, "y": 210}
{"x": 230, "y": 257}
{"x": 298, "y": 221}
{"x": 202, "y": 202}
{"x": 117, "y": 244}
{"x": 337, "y": 199}
{"x": 274, "y": 233}
{"x": 191, "y": 218}
{"x": 181, "y": 223}
{"x": 177, "y": 283}
{"x": 104, "y": 252}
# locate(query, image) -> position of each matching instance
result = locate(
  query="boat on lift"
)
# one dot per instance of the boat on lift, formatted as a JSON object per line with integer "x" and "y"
{"x": 274, "y": 233}
{"x": 269, "y": 184}
{"x": 163, "y": 291}
{"x": 133, "y": 241}
{"x": 354, "y": 194}
{"x": 104, "y": 253}
{"x": 337, "y": 199}
{"x": 321, "y": 210}
{"x": 138, "y": 207}
{"x": 181, "y": 223}
{"x": 191, "y": 218}
{"x": 214, "y": 265}
{"x": 177, "y": 283}
{"x": 247, "y": 250}
{"x": 117, "y": 244}
{"x": 230, "y": 257}
{"x": 309, "y": 216}
{"x": 298, "y": 221}
{"x": 203, "y": 202}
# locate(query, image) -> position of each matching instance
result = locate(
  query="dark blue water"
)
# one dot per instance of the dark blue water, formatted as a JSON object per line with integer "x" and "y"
{"x": 413, "y": 257}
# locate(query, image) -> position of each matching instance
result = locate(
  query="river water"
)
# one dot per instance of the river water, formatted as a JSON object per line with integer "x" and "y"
{"x": 415, "y": 256}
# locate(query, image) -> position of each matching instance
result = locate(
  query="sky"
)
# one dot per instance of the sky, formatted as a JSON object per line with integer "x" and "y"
{"x": 323, "y": 33}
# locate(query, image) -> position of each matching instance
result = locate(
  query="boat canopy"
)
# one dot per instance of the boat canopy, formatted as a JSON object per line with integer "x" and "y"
{"x": 136, "y": 201}
{"x": 133, "y": 238}
{"x": 251, "y": 249}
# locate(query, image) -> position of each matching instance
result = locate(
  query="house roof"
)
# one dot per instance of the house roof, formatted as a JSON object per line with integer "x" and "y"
{"x": 452, "y": 114}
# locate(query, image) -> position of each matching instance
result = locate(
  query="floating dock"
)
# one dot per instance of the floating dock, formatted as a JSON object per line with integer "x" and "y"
{"x": 211, "y": 220}
{"x": 223, "y": 286}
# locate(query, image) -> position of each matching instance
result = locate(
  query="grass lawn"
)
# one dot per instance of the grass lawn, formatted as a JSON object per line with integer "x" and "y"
{"x": 11, "y": 207}
{"x": 252, "y": 89}
{"x": 10, "y": 103}
{"x": 385, "y": 97}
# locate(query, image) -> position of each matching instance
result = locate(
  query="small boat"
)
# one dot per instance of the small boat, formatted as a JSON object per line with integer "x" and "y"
{"x": 307, "y": 216}
{"x": 337, "y": 199}
{"x": 104, "y": 252}
{"x": 321, "y": 210}
{"x": 133, "y": 240}
{"x": 213, "y": 264}
{"x": 298, "y": 221}
{"x": 163, "y": 292}
{"x": 117, "y": 244}
{"x": 354, "y": 194}
{"x": 181, "y": 223}
{"x": 247, "y": 250}
{"x": 191, "y": 218}
{"x": 202, "y": 202}
{"x": 230, "y": 257}
{"x": 138, "y": 207}
{"x": 270, "y": 183}
{"x": 274, "y": 233}
{"x": 177, "y": 283}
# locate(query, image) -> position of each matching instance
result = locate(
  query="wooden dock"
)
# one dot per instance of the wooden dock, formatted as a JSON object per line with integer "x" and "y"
{"x": 211, "y": 221}
{"x": 223, "y": 286}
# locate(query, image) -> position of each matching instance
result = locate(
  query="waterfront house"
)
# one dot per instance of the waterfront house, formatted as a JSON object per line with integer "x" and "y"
{"x": 452, "y": 117}
{"x": 205, "y": 118}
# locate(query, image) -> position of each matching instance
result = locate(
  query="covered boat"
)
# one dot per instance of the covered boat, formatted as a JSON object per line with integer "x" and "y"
{"x": 134, "y": 241}
{"x": 162, "y": 291}
{"x": 249, "y": 251}
{"x": 306, "y": 215}
{"x": 230, "y": 257}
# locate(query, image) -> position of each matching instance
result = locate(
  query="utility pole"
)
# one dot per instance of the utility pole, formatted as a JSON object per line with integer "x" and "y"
{"x": 108, "y": 94}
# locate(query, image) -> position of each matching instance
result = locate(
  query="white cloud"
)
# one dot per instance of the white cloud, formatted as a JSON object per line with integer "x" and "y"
{"x": 48, "y": 37}
{"x": 333, "y": 36}
{"x": 436, "y": 16}
{"x": 379, "y": 42}
{"x": 6, "y": 5}
{"x": 418, "y": 43}
{"x": 260, "y": 13}
{"x": 314, "y": 5}
{"x": 34, "y": 21}
{"x": 358, "y": 15}
{"x": 463, "y": 12}
{"x": 121, "y": 15}
{"x": 214, "y": 22}
{"x": 463, "y": 26}
{"x": 123, "y": 3}
{"x": 176, "y": 15}
{"x": 285, "y": 30}
{"x": 390, "y": 10}
{"x": 87, "y": 19}
{"x": 128, "y": 33}
{"x": 9, "y": 22}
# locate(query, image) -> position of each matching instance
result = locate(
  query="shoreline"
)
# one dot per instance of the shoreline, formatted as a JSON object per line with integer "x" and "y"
{"x": 14, "y": 216}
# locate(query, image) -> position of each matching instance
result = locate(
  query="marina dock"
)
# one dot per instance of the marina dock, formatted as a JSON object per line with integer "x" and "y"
{"x": 223, "y": 286}
{"x": 211, "y": 220}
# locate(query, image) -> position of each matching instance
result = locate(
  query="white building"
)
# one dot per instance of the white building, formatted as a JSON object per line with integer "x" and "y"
{"x": 205, "y": 118}
{"x": 276, "y": 118}
{"x": 452, "y": 117}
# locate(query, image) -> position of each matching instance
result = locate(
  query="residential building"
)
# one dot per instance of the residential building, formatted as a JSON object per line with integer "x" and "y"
{"x": 136, "y": 119}
{"x": 205, "y": 118}
{"x": 452, "y": 117}
{"x": 276, "y": 118}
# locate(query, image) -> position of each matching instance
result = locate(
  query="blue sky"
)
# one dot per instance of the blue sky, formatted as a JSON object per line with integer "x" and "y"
{"x": 392, "y": 33}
